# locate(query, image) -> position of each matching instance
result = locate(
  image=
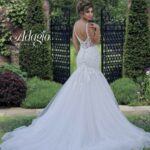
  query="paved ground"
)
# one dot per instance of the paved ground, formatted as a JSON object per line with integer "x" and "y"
{"x": 17, "y": 111}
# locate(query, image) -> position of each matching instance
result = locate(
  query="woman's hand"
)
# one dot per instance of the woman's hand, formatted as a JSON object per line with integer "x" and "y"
{"x": 96, "y": 35}
{"x": 94, "y": 26}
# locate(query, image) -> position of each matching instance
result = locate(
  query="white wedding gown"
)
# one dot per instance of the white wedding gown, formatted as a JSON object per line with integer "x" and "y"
{"x": 84, "y": 115}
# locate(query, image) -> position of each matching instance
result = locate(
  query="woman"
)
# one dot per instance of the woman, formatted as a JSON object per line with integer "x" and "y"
{"x": 84, "y": 114}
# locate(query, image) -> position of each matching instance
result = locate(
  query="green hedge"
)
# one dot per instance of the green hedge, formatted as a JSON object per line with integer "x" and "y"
{"x": 137, "y": 41}
{"x": 35, "y": 57}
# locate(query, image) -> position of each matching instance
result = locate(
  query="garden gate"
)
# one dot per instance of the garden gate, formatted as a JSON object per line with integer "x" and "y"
{"x": 60, "y": 44}
{"x": 112, "y": 39}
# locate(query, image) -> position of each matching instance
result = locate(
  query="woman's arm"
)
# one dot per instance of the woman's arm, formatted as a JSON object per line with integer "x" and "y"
{"x": 75, "y": 40}
{"x": 94, "y": 33}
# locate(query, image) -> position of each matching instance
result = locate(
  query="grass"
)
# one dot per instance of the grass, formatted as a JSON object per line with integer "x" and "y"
{"x": 8, "y": 123}
{"x": 72, "y": 58}
{"x": 142, "y": 121}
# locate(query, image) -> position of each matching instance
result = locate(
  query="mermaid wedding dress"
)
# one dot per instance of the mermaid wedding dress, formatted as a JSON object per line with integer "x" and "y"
{"x": 83, "y": 115}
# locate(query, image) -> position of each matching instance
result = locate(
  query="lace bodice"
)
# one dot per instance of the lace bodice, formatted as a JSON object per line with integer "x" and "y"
{"x": 86, "y": 43}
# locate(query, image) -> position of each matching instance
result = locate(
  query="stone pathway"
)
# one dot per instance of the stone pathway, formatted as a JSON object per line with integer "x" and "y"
{"x": 18, "y": 111}
{"x": 134, "y": 109}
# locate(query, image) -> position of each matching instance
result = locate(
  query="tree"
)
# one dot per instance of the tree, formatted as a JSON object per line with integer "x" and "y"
{"x": 136, "y": 47}
{"x": 35, "y": 54}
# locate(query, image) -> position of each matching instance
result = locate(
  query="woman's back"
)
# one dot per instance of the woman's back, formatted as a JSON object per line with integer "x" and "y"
{"x": 81, "y": 32}
{"x": 80, "y": 29}
{"x": 84, "y": 33}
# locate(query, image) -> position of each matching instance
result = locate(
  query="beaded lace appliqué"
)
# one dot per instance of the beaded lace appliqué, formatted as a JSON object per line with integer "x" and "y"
{"x": 87, "y": 43}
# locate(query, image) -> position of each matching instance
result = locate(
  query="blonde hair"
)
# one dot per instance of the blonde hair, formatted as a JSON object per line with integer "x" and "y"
{"x": 83, "y": 5}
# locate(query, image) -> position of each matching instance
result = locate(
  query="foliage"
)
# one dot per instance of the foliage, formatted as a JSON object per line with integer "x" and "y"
{"x": 137, "y": 41}
{"x": 16, "y": 11}
{"x": 125, "y": 90}
{"x": 12, "y": 89}
{"x": 40, "y": 92}
{"x": 143, "y": 82}
{"x": 148, "y": 3}
{"x": 4, "y": 2}
{"x": 143, "y": 92}
{"x": 139, "y": 103}
{"x": 35, "y": 55}
{"x": 4, "y": 51}
{"x": 13, "y": 68}
{"x": 119, "y": 11}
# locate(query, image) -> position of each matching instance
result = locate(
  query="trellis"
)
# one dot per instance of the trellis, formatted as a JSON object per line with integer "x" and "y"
{"x": 60, "y": 44}
{"x": 112, "y": 46}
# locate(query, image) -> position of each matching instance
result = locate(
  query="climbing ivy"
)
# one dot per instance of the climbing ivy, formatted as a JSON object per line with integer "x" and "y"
{"x": 17, "y": 12}
{"x": 13, "y": 11}
{"x": 5, "y": 34}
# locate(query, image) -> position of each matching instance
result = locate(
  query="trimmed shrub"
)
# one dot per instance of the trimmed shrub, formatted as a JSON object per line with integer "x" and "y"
{"x": 12, "y": 90}
{"x": 137, "y": 41}
{"x": 40, "y": 92}
{"x": 125, "y": 90}
{"x": 13, "y": 68}
{"x": 35, "y": 55}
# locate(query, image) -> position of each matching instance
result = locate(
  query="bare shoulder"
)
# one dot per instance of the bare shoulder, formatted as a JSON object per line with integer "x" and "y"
{"x": 76, "y": 22}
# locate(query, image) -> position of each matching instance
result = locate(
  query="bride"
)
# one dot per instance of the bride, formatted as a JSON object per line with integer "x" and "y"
{"x": 84, "y": 114}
